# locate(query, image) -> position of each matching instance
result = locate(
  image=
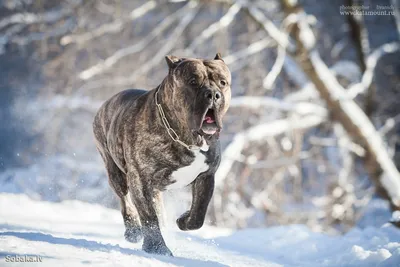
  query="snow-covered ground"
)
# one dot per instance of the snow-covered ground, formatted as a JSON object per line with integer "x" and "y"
{"x": 74, "y": 233}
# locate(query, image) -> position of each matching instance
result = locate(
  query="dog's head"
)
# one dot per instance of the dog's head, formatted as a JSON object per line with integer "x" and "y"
{"x": 201, "y": 91}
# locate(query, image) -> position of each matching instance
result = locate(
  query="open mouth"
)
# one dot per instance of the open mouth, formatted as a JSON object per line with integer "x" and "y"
{"x": 209, "y": 125}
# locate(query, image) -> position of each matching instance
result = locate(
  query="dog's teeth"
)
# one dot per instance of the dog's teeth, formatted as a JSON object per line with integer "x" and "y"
{"x": 210, "y": 131}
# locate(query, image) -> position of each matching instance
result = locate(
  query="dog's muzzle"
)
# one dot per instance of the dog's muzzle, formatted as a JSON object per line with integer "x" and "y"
{"x": 210, "y": 123}
{"x": 213, "y": 95}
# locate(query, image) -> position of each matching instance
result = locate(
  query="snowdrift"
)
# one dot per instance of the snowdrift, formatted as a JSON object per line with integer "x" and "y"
{"x": 73, "y": 233}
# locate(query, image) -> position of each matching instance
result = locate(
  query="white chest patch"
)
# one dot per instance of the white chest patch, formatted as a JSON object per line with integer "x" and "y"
{"x": 186, "y": 175}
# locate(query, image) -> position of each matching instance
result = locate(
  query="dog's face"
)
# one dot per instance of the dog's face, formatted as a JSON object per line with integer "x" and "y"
{"x": 202, "y": 91}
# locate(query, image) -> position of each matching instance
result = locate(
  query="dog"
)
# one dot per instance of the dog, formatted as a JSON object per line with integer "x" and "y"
{"x": 165, "y": 138}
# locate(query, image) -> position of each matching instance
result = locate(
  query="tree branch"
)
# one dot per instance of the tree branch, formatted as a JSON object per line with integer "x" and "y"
{"x": 30, "y": 18}
{"x": 169, "y": 44}
{"x": 113, "y": 27}
{"x": 254, "y": 102}
{"x": 372, "y": 60}
{"x": 256, "y": 133}
{"x": 38, "y": 36}
{"x": 190, "y": 11}
{"x": 344, "y": 109}
{"x": 248, "y": 51}
{"x": 120, "y": 54}
{"x": 276, "y": 69}
{"x": 396, "y": 11}
{"x": 223, "y": 22}
{"x": 282, "y": 39}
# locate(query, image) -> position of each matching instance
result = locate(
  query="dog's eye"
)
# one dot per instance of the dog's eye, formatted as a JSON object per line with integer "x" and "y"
{"x": 222, "y": 82}
{"x": 193, "y": 82}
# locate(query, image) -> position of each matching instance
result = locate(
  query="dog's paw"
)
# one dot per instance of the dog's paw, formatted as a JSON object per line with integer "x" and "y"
{"x": 133, "y": 234}
{"x": 156, "y": 248}
{"x": 185, "y": 222}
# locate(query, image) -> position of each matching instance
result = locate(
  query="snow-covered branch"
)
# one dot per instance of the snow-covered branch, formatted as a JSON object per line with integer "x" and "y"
{"x": 281, "y": 38}
{"x": 190, "y": 11}
{"x": 269, "y": 80}
{"x": 310, "y": 114}
{"x": 30, "y": 18}
{"x": 248, "y": 51}
{"x": 223, "y": 22}
{"x": 122, "y": 53}
{"x": 258, "y": 133}
{"x": 7, "y": 36}
{"x": 396, "y": 11}
{"x": 254, "y": 102}
{"x": 38, "y": 36}
{"x": 371, "y": 63}
{"x": 113, "y": 27}
{"x": 217, "y": 1}
{"x": 356, "y": 122}
{"x": 347, "y": 112}
{"x": 170, "y": 43}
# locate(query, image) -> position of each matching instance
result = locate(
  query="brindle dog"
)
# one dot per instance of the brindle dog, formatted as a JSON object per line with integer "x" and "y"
{"x": 165, "y": 138}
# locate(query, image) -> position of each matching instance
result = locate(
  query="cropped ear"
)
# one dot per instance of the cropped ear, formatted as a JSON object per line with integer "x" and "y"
{"x": 172, "y": 61}
{"x": 218, "y": 57}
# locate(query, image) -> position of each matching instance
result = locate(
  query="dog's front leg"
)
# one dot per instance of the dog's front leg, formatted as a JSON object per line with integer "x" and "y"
{"x": 143, "y": 197}
{"x": 202, "y": 190}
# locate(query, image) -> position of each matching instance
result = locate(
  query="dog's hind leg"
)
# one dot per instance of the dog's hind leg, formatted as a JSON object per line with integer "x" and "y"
{"x": 143, "y": 197}
{"x": 133, "y": 232}
{"x": 119, "y": 184}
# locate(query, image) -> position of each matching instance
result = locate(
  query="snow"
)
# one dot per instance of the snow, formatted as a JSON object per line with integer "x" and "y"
{"x": 395, "y": 216}
{"x": 74, "y": 233}
{"x": 46, "y": 180}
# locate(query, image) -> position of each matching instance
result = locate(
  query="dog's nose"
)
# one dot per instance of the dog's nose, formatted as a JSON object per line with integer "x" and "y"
{"x": 213, "y": 95}
{"x": 209, "y": 94}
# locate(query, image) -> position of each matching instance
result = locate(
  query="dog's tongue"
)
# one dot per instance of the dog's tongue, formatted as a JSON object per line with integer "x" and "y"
{"x": 208, "y": 119}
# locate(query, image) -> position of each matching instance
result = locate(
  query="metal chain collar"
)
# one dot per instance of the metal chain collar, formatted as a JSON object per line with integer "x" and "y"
{"x": 174, "y": 136}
